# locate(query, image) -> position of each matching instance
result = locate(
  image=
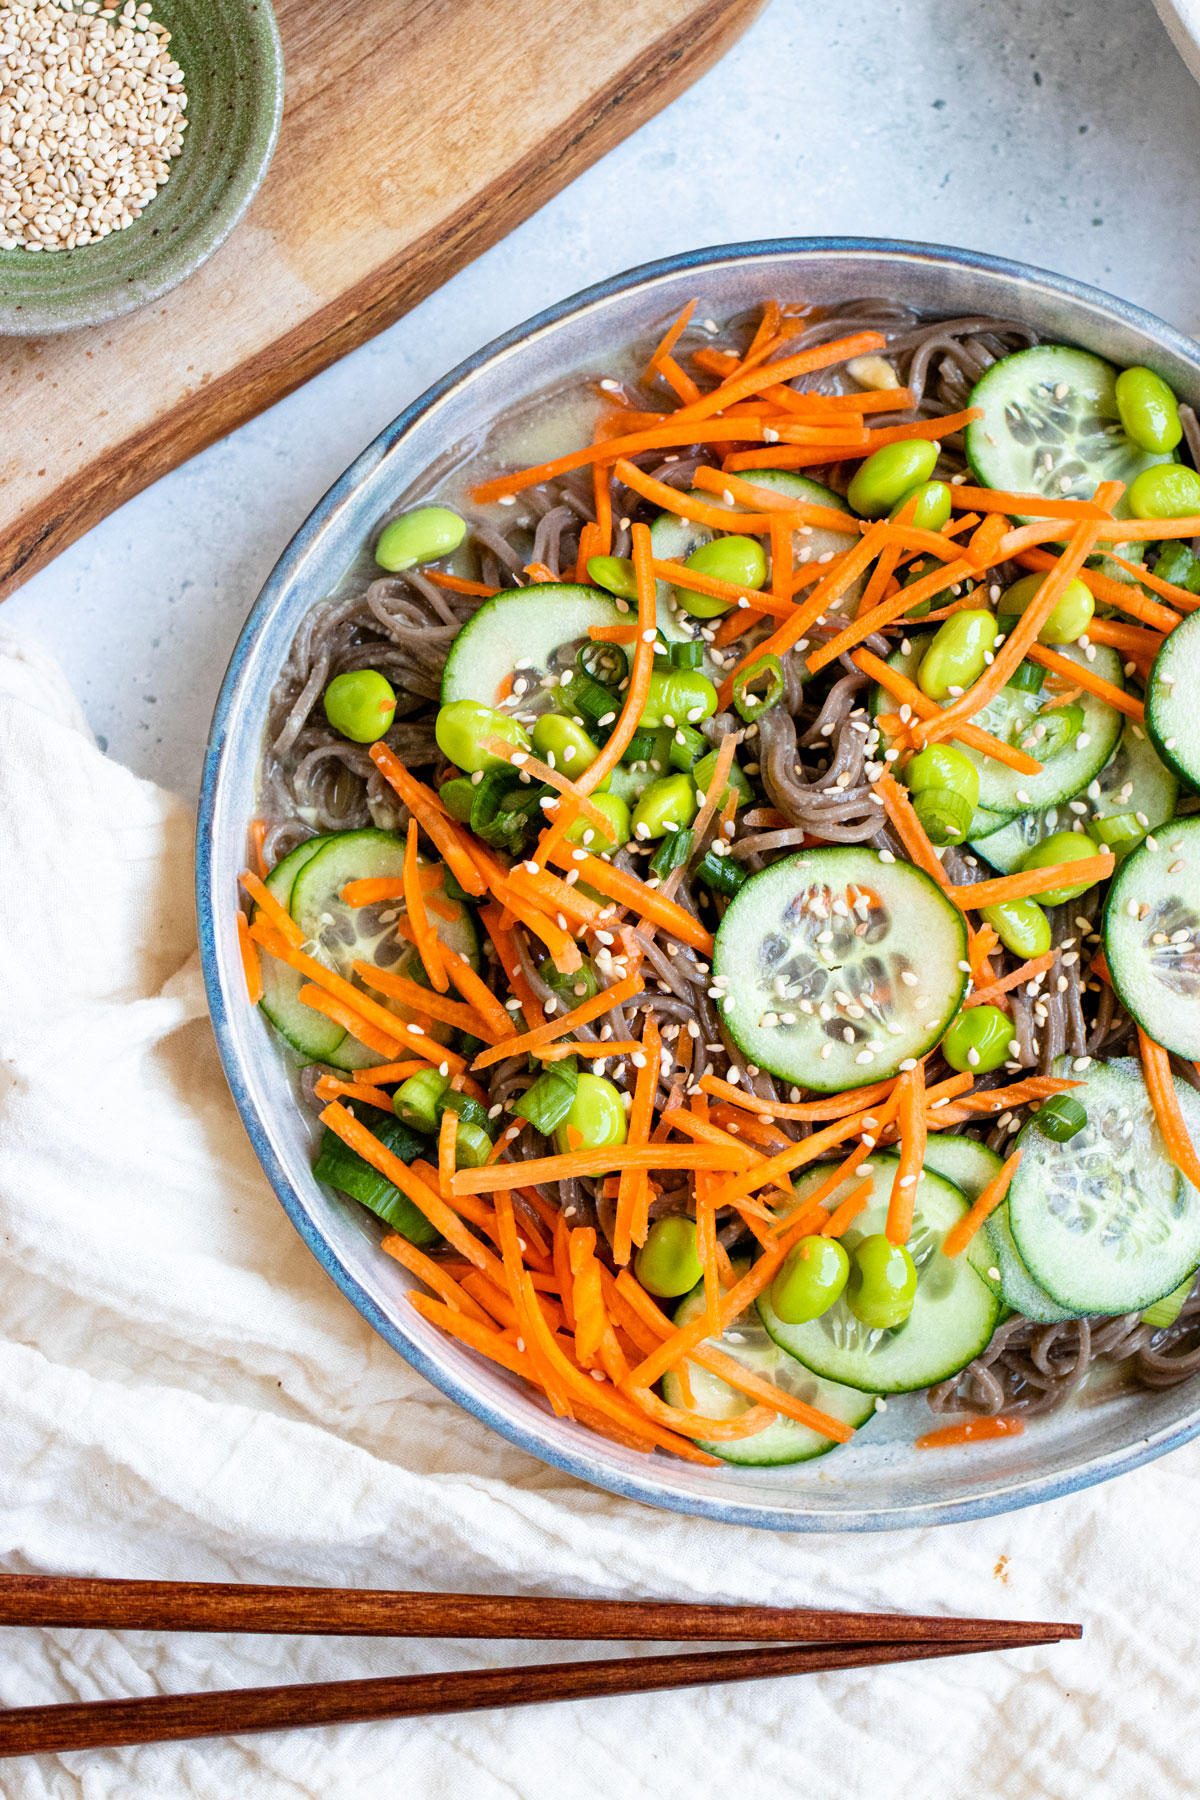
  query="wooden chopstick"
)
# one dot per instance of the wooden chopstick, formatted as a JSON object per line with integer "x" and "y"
{"x": 90, "y": 1725}
{"x": 84, "y": 1602}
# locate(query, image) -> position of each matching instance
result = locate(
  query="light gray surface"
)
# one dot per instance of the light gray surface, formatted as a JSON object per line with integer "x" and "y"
{"x": 1063, "y": 132}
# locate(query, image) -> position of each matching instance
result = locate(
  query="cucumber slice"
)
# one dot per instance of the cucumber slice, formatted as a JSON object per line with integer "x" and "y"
{"x": 309, "y": 1032}
{"x": 344, "y": 1169}
{"x": 812, "y": 545}
{"x": 992, "y": 1253}
{"x": 953, "y": 1316}
{"x": 786, "y": 1441}
{"x": 1171, "y": 714}
{"x": 1133, "y": 780}
{"x": 1009, "y": 717}
{"x": 838, "y": 942}
{"x": 1018, "y": 1289}
{"x": 530, "y": 626}
{"x": 1058, "y": 402}
{"x": 345, "y": 934}
{"x": 1105, "y": 1221}
{"x": 1150, "y": 926}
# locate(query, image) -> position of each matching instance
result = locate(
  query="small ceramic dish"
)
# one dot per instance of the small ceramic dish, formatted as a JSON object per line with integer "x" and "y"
{"x": 232, "y": 61}
{"x": 880, "y": 1481}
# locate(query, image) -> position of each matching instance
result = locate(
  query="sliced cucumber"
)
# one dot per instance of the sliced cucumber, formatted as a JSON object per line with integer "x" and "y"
{"x": 837, "y": 967}
{"x": 1133, "y": 780}
{"x": 1018, "y": 1289}
{"x": 1172, "y": 716}
{"x": 970, "y": 1166}
{"x": 953, "y": 1316}
{"x": 749, "y": 1345}
{"x": 1052, "y": 401}
{"x": 309, "y": 1032}
{"x": 530, "y": 626}
{"x": 1105, "y": 1221}
{"x": 1010, "y": 717}
{"x": 810, "y": 546}
{"x": 348, "y": 934}
{"x": 1150, "y": 926}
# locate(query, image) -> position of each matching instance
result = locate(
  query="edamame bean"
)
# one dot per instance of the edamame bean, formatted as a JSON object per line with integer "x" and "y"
{"x": 1021, "y": 925}
{"x": 564, "y": 744}
{"x": 882, "y": 1284}
{"x": 958, "y": 654}
{"x": 462, "y": 729}
{"x": 933, "y": 504}
{"x": 1063, "y": 847}
{"x": 738, "y": 559}
{"x": 667, "y": 1263}
{"x": 596, "y": 1118}
{"x": 889, "y": 474}
{"x": 620, "y": 830}
{"x": 978, "y": 1039}
{"x": 361, "y": 704}
{"x": 665, "y": 805}
{"x": 1149, "y": 410}
{"x": 944, "y": 785}
{"x": 419, "y": 537}
{"x": 1072, "y": 613}
{"x": 615, "y": 574}
{"x": 1167, "y": 491}
{"x": 678, "y": 697}
{"x": 813, "y": 1274}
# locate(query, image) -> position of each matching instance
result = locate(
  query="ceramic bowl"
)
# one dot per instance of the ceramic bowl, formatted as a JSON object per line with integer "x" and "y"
{"x": 232, "y": 60}
{"x": 880, "y": 1481}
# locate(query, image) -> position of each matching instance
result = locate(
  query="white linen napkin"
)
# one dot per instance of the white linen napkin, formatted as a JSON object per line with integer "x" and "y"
{"x": 185, "y": 1394}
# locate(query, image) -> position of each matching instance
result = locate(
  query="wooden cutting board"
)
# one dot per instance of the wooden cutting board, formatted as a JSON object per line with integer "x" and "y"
{"x": 415, "y": 134}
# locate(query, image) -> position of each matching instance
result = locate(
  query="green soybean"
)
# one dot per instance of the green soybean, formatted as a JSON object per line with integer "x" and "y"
{"x": 596, "y": 1118}
{"x": 419, "y": 537}
{"x": 933, "y": 506}
{"x": 462, "y": 729}
{"x": 1063, "y": 847}
{"x": 741, "y": 560}
{"x": 361, "y": 704}
{"x": 958, "y": 653}
{"x": 882, "y": 1284}
{"x": 1021, "y": 926}
{"x": 564, "y": 744}
{"x": 678, "y": 697}
{"x": 944, "y": 785}
{"x": 890, "y": 474}
{"x": 669, "y": 804}
{"x": 667, "y": 1264}
{"x": 1167, "y": 491}
{"x": 813, "y": 1274}
{"x": 584, "y": 831}
{"x": 614, "y": 574}
{"x": 1072, "y": 613}
{"x": 1149, "y": 410}
{"x": 978, "y": 1039}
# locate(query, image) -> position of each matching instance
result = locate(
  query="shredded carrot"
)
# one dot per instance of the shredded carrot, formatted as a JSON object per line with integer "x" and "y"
{"x": 258, "y": 838}
{"x": 771, "y": 501}
{"x": 738, "y": 387}
{"x": 424, "y": 935}
{"x": 1142, "y": 531}
{"x": 684, "y": 1340}
{"x": 540, "y": 771}
{"x": 1160, "y": 1083}
{"x": 608, "y": 451}
{"x": 328, "y": 1087}
{"x": 994, "y": 1100}
{"x": 1020, "y": 886}
{"x": 1037, "y": 506}
{"x": 380, "y": 1072}
{"x": 668, "y": 341}
{"x": 447, "y": 1141}
{"x": 767, "y": 1173}
{"x": 1085, "y": 677}
{"x": 468, "y": 1330}
{"x": 836, "y": 1106}
{"x": 457, "y": 585}
{"x": 909, "y": 694}
{"x": 1118, "y": 593}
{"x": 481, "y": 1001}
{"x": 550, "y": 1029}
{"x": 595, "y": 1162}
{"x": 961, "y": 1233}
{"x": 434, "y": 1275}
{"x": 280, "y": 918}
{"x": 1180, "y": 598}
{"x": 601, "y": 1051}
{"x": 893, "y": 434}
{"x": 683, "y": 506}
{"x": 844, "y": 1215}
{"x": 587, "y": 1299}
{"x": 742, "y": 597}
{"x": 251, "y": 967}
{"x": 427, "y": 809}
{"x": 641, "y": 1117}
{"x": 970, "y": 1431}
{"x": 710, "y": 806}
{"x": 628, "y": 891}
{"x": 602, "y": 496}
{"x": 1134, "y": 640}
{"x": 510, "y": 962}
{"x": 551, "y": 894}
{"x": 348, "y": 1018}
{"x": 701, "y": 1129}
{"x": 911, "y": 1092}
{"x": 910, "y": 831}
{"x": 1028, "y": 971}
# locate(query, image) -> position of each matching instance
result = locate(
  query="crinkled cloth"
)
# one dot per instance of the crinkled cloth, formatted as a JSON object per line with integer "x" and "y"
{"x": 186, "y": 1394}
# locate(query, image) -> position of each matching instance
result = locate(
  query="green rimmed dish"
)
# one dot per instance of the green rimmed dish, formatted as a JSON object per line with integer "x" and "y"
{"x": 232, "y": 61}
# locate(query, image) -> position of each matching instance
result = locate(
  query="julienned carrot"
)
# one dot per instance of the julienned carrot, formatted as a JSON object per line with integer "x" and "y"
{"x": 770, "y": 500}
{"x": 890, "y": 609}
{"x": 892, "y": 434}
{"x": 844, "y": 1214}
{"x": 427, "y": 810}
{"x": 769, "y": 1172}
{"x": 1037, "y": 506}
{"x": 1028, "y": 971}
{"x": 628, "y": 891}
{"x": 479, "y": 997}
{"x": 811, "y": 1215}
{"x": 685, "y": 1339}
{"x": 468, "y": 1330}
{"x": 961, "y": 1233}
{"x": 553, "y": 895}
{"x": 902, "y": 1204}
{"x": 994, "y": 1100}
{"x": 258, "y": 838}
{"x": 336, "y": 1010}
{"x": 756, "y": 1418}
{"x": 669, "y": 339}
{"x": 550, "y": 1029}
{"x": 909, "y": 830}
{"x": 601, "y": 1051}
{"x": 448, "y": 1012}
{"x": 1179, "y": 597}
{"x": 741, "y": 597}
{"x": 424, "y": 936}
{"x": 608, "y": 450}
{"x": 329, "y": 1087}
{"x": 447, "y": 1141}
{"x": 969, "y": 1431}
{"x": 633, "y": 1182}
{"x": 587, "y": 1298}
{"x": 909, "y": 694}
{"x": 1135, "y": 640}
{"x": 595, "y": 1162}
{"x": 396, "y": 1071}
{"x": 1032, "y": 881}
{"x": 251, "y": 968}
{"x": 711, "y": 804}
{"x": 1085, "y": 677}
{"x": 671, "y": 500}
{"x": 1127, "y": 598}
{"x": 456, "y": 585}
{"x": 738, "y": 387}
{"x": 434, "y": 1275}
{"x": 510, "y": 962}
{"x": 280, "y": 918}
{"x": 1143, "y": 531}
{"x": 540, "y": 771}
{"x": 1156, "y": 1067}
{"x": 564, "y": 951}
{"x": 701, "y": 1130}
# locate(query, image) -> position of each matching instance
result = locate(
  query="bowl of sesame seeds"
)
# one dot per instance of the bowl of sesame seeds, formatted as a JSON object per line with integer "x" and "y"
{"x": 133, "y": 136}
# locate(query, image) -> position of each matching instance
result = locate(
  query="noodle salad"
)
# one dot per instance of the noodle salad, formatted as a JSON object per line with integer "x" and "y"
{"x": 730, "y": 890}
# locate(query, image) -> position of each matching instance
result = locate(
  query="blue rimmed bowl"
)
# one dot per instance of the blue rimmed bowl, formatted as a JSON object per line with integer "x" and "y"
{"x": 880, "y": 1482}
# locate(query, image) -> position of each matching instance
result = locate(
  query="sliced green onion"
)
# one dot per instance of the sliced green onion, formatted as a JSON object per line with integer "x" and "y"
{"x": 721, "y": 873}
{"x": 472, "y": 1145}
{"x": 1027, "y": 677}
{"x": 1120, "y": 831}
{"x": 547, "y": 1103}
{"x": 704, "y": 771}
{"x": 687, "y": 746}
{"x": 945, "y": 815}
{"x": 468, "y": 1109}
{"x": 605, "y": 663}
{"x": 640, "y": 747}
{"x": 344, "y": 1169}
{"x": 420, "y": 1101}
{"x": 1063, "y": 725}
{"x": 1164, "y": 1312}
{"x": 674, "y": 851}
{"x": 1061, "y": 1117}
{"x": 766, "y": 669}
{"x": 687, "y": 655}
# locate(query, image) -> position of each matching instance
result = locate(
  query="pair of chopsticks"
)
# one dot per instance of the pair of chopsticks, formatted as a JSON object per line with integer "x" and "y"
{"x": 805, "y": 1641}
